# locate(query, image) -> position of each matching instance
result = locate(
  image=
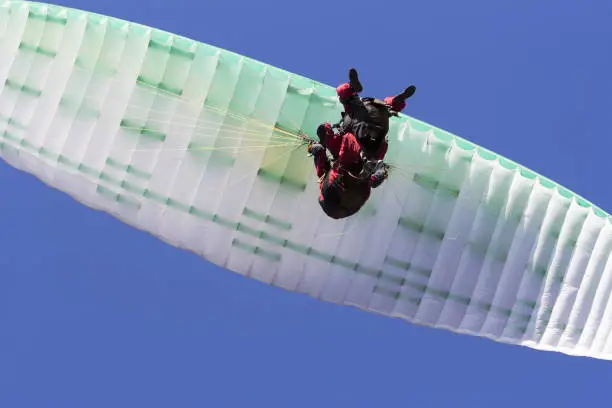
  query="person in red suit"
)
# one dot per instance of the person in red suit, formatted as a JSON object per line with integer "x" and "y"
{"x": 357, "y": 145}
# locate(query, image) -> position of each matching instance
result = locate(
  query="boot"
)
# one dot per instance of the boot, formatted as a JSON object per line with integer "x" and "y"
{"x": 408, "y": 92}
{"x": 354, "y": 81}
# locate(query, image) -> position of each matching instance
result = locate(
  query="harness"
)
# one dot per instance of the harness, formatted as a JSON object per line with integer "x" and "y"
{"x": 350, "y": 189}
{"x": 345, "y": 195}
{"x": 368, "y": 119}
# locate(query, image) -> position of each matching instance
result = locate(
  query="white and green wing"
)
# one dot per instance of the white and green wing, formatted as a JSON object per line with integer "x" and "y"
{"x": 201, "y": 147}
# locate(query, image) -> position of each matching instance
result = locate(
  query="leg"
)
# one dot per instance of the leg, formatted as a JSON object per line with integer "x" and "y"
{"x": 345, "y": 92}
{"x": 348, "y": 90}
{"x": 398, "y": 102}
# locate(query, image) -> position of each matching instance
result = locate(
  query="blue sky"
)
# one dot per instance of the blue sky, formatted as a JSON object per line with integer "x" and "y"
{"x": 95, "y": 314}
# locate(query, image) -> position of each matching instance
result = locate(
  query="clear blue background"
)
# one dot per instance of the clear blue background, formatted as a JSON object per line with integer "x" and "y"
{"x": 94, "y": 314}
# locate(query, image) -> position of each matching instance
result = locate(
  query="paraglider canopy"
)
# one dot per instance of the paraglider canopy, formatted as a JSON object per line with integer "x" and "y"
{"x": 204, "y": 149}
